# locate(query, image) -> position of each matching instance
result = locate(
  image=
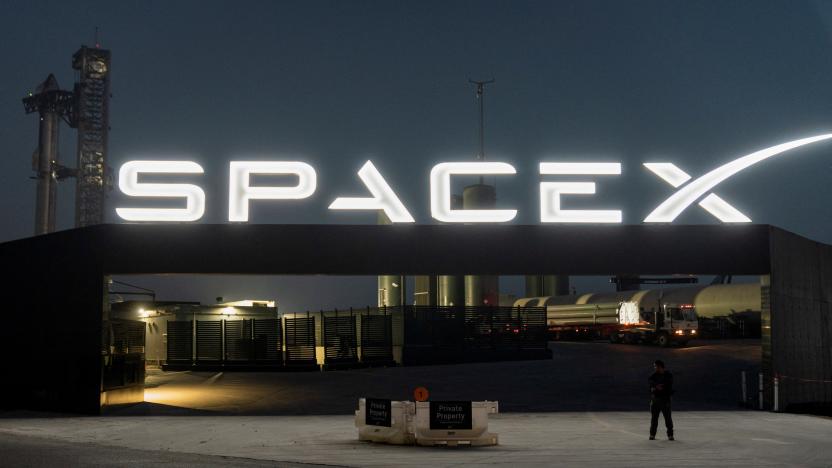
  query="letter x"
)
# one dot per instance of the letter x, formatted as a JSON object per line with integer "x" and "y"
{"x": 712, "y": 203}
{"x": 669, "y": 209}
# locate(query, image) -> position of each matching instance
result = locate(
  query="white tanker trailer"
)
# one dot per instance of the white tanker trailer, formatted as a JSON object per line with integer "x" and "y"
{"x": 654, "y": 316}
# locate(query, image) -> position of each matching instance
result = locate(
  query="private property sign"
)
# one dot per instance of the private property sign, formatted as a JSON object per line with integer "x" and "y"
{"x": 450, "y": 415}
{"x": 383, "y": 197}
{"x": 378, "y": 412}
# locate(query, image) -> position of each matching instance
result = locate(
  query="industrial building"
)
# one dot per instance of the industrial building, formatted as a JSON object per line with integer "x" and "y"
{"x": 157, "y": 317}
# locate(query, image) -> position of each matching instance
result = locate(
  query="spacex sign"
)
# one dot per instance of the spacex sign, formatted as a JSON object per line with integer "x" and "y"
{"x": 383, "y": 197}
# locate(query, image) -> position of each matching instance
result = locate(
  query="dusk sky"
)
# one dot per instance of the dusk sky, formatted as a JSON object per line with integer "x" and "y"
{"x": 336, "y": 83}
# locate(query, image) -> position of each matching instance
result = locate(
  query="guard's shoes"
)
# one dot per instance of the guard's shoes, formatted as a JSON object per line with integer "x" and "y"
{"x": 670, "y": 438}
{"x": 652, "y": 437}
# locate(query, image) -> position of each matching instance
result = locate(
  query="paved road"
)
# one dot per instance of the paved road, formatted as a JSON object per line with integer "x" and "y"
{"x": 601, "y": 439}
{"x": 25, "y": 451}
{"x": 586, "y": 406}
{"x": 582, "y": 376}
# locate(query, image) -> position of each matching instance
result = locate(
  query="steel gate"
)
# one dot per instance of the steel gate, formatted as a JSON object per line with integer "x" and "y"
{"x": 300, "y": 340}
{"x": 180, "y": 335}
{"x": 339, "y": 338}
{"x": 377, "y": 338}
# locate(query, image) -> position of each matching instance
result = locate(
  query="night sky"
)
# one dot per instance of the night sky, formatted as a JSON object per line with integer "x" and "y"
{"x": 337, "y": 83}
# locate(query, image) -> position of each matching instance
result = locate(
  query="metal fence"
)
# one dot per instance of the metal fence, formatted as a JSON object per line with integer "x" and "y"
{"x": 238, "y": 341}
{"x": 361, "y": 337}
{"x": 377, "y": 337}
{"x": 180, "y": 341}
{"x": 207, "y": 343}
{"x": 340, "y": 339}
{"x": 300, "y": 340}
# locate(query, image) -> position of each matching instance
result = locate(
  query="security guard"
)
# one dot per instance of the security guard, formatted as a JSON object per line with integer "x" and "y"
{"x": 661, "y": 389}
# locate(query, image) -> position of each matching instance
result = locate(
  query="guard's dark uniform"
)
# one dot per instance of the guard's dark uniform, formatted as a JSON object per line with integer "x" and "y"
{"x": 660, "y": 401}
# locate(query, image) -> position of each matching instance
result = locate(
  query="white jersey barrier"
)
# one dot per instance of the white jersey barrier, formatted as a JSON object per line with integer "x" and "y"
{"x": 448, "y": 423}
{"x": 385, "y": 421}
{"x": 455, "y": 423}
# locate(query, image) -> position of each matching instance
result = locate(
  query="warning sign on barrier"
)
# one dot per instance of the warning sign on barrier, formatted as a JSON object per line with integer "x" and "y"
{"x": 450, "y": 415}
{"x": 378, "y": 412}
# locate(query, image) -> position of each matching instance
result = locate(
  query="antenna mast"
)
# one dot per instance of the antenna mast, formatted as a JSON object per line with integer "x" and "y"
{"x": 481, "y": 99}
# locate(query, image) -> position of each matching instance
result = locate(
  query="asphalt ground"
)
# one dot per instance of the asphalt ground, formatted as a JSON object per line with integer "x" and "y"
{"x": 587, "y": 406}
{"x": 581, "y": 376}
{"x": 595, "y": 439}
{"x": 26, "y": 451}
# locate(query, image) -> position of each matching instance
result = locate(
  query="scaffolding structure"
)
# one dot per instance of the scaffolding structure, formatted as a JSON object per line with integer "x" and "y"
{"x": 92, "y": 94}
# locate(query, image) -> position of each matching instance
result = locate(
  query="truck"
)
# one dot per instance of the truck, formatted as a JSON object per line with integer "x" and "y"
{"x": 624, "y": 322}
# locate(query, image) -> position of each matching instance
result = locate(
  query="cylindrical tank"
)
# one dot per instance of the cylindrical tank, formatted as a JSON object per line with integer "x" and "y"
{"x": 556, "y": 285}
{"x": 721, "y": 300}
{"x": 717, "y": 300}
{"x": 724, "y": 310}
{"x": 534, "y": 286}
{"x": 479, "y": 197}
{"x": 481, "y": 289}
{"x": 547, "y": 285}
{"x": 424, "y": 291}
{"x": 47, "y": 185}
{"x": 391, "y": 288}
{"x": 450, "y": 289}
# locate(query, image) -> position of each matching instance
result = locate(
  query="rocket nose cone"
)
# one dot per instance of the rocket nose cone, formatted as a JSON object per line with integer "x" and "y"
{"x": 49, "y": 84}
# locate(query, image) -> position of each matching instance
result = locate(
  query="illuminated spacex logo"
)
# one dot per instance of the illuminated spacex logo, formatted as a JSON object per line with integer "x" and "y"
{"x": 384, "y": 198}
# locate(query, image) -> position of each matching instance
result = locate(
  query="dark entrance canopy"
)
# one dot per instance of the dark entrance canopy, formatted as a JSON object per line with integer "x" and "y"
{"x": 56, "y": 291}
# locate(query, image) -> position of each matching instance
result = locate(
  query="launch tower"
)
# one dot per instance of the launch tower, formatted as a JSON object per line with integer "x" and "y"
{"x": 92, "y": 94}
{"x": 86, "y": 108}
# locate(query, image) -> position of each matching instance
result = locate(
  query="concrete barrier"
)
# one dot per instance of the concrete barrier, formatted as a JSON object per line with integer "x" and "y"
{"x": 454, "y": 423}
{"x": 385, "y": 421}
